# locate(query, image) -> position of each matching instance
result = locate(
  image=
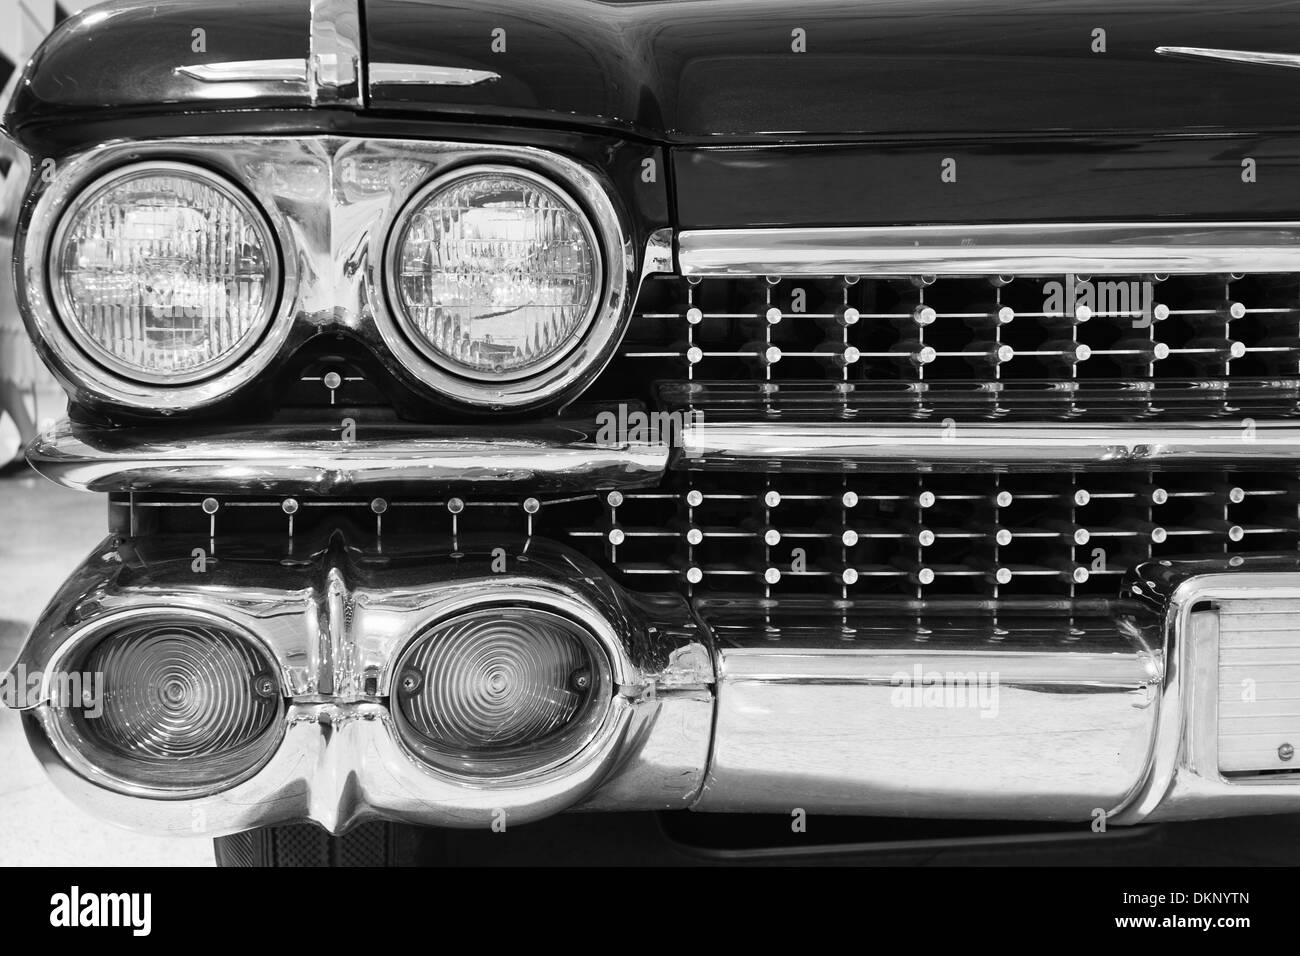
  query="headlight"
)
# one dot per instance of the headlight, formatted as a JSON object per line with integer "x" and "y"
{"x": 496, "y": 273}
{"x": 182, "y": 704}
{"x": 164, "y": 273}
{"x": 501, "y": 690}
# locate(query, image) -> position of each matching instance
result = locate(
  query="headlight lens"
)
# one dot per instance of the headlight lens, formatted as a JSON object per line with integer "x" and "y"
{"x": 181, "y": 704}
{"x": 501, "y": 690}
{"x": 164, "y": 273}
{"x": 497, "y": 273}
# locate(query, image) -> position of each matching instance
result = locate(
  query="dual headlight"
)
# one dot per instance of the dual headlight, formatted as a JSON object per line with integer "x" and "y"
{"x": 165, "y": 274}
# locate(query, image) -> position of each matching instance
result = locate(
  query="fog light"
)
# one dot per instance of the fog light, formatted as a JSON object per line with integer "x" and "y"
{"x": 501, "y": 690}
{"x": 181, "y": 704}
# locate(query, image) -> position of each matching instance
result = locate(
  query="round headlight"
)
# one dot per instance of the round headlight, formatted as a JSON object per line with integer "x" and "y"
{"x": 496, "y": 273}
{"x": 501, "y": 690}
{"x": 164, "y": 273}
{"x": 179, "y": 704}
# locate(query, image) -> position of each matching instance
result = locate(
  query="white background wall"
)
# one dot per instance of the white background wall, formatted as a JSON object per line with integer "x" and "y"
{"x": 24, "y": 23}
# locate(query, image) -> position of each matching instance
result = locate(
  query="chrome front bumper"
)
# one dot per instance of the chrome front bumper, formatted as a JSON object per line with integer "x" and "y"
{"x": 715, "y": 710}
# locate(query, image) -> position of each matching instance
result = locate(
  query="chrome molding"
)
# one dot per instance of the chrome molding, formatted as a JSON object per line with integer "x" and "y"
{"x": 1250, "y": 57}
{"x": 836, "y": 447}
{"x": 330, "y": 76}
{"x": 332, "y": 202}
{"x": 248, "y": 71}
{"x": 556, "y": 456}
{"x": 334, "y": 74}
{"x": 658, "y": 253}
{"x": 1041, "y": 249}
{"x": 415, "y": 74}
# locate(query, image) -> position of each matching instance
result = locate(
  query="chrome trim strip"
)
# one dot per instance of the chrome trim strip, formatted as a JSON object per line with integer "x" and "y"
{"x": 1251, "y": 57}
{"x": 247, "y": 71}
{"x": 835, "y": 447}
{"x": 540, "y": 458}
{"x": 334, "y": 74}
{"x": 1018, "y": 249}
{"x": 658, "y": 253}
{"x": 415, "y": 74}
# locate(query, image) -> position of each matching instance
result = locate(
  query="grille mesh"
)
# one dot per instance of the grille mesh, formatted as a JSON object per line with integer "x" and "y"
{"x": 1229, "y": 341}
{"x": 895, "y": 537}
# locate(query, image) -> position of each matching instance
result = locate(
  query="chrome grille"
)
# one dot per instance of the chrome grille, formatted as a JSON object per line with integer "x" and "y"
{"x": 976, "y": 347}
{"x": 848, "y": 538}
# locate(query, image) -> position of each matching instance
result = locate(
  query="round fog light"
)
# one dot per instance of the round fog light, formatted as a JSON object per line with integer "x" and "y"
{"x": 501, "y": 690}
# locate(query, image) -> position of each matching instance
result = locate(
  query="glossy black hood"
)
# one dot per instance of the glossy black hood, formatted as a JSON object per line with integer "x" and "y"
{"x": 713, "y": 71}
{"x": 727, "y": 70}
{"x": 127, "y": 57}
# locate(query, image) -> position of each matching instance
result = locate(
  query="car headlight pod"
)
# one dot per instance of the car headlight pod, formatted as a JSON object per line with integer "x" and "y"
{"x": 164, "y": 273}
{"x": 504, "y": 285}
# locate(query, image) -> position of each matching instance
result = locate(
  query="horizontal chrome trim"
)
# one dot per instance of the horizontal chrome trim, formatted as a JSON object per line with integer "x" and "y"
{"x": 1251, "y": 57}
{"x": 1019, "y": 249}
{"x": 415, "y": 74}
{"x": 247, "y": 71}
{"x": 279, "y": 460}
{"x": 819, "y": 446}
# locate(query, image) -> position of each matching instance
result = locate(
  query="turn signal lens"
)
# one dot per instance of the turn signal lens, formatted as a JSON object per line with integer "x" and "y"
{"x": 179, "y": 703}
{"x": 497, "y": 273}
{"x": 164, "y": 273}
{"x": 501, "y": 689}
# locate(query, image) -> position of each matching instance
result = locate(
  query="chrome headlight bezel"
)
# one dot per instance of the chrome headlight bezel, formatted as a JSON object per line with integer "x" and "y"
{"x": 598, "y": 334}
{"x": 39, "y": 284}
{"x": 93, "y": 350}
{"x": 398, "y": 236}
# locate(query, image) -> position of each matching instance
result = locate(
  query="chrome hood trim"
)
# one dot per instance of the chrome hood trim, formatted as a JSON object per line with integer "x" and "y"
{"x": 1249, "y": 57}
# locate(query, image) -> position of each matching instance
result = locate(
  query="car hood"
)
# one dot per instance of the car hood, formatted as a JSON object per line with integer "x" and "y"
{"x": 711, "y": 71}
{"x": 747, "y": 70}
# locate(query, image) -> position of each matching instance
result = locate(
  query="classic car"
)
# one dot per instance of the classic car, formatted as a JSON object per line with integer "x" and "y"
{"x": 521, "y": 411}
